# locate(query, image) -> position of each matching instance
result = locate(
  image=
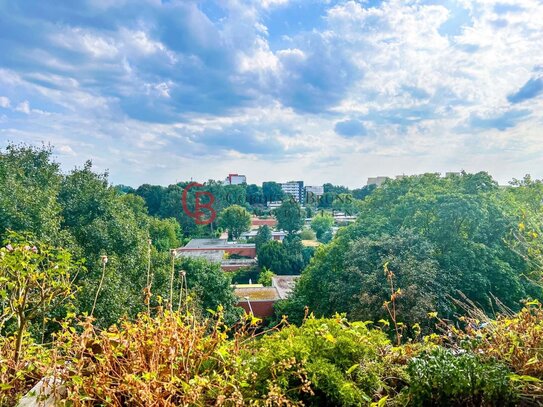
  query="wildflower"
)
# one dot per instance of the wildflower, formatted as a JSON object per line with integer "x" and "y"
{"x": 9, "y": 247}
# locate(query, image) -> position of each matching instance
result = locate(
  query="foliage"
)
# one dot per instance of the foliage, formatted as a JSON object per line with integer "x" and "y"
{"x": 514, "y": 340}
{"x": 326, "y": 362}
{"x": 30, "y": 183}
{"x": 322, "y": 223}
{"x": 34, "y": 279}
{"x": 236, "y": 220}
{"x": 272, "y": 191}
{"x": 362, "y": 193}
{"x": 289, "y": 216}
{"x": 284, "y": 258}
{"x": 452, "y": 234}
{"x": 169, "y": 360}
{"x": 440, "y": 378}
{"x": 263, "y": 236}
{"x": 265, "y": 277}
{"x": 254, "y": 194}
{"x": 209, "y": 286}
{"x": 272, "y": 256}
{"x": 164, "y": 233}
{"x": 18, "y": 377}
{"x": 345, "y": 203}
{"x": 307, "y": 234}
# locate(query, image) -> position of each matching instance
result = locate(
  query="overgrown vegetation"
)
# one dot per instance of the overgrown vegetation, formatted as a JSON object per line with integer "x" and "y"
{"x": 430, "y": 298}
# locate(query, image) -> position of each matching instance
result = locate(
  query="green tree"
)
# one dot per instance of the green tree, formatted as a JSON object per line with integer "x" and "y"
{"x": 209, "y": 286}
{"x": 153, "y": 196}
{"x": 101, "y": 223}
{"x": 272, "y": 191}
{"x": 362, "y": 193}
{"x": 307, "y": 234}
{"x": 467, "y": 221}
{"x": 263, "y": 236}
{"x": 274, "y": 257}
{"x": 321, "y": 224}
{"x": 35, "y": 278}
{"x": 289, "y": 216}
{"x": 265, "y": 277}
{"x": 345, "y": 203}
{"x": 30, "y": 183}
{"x": 254, "y": 195}
{"x": 236, "y": 219}
{"x": 164, "y": 233}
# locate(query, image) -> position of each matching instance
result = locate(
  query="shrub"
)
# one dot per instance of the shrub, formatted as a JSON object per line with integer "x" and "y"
{"x": 323, "y": 362}
{"x": 440, "y": 378}
{"x": 168, "y": 360}
{"x": 514, "y": 340}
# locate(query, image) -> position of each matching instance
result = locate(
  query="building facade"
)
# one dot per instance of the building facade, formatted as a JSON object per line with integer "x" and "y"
{"x": 312, "y": 194}
{"x": 294, "y": 189}
{"x": 235, "y": 179}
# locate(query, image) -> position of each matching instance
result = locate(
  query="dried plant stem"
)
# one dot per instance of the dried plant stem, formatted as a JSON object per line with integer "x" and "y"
{"x": 104, "y": 262}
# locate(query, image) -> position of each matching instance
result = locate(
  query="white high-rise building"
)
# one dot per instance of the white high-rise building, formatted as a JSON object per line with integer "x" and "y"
{"x": 294, "y": 189}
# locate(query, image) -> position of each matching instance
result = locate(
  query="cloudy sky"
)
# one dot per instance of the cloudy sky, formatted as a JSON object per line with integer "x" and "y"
{"x": 318, "y": 90}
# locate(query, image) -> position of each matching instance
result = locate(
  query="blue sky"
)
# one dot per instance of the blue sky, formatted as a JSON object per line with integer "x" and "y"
{"x": 319, "y": 90}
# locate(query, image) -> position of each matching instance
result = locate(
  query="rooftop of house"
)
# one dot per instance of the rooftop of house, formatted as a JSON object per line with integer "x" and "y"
{"x": 254, "y": 232}
{"x": 310, "y": 243}
{"x": 213, "y": 244}
{"x": 257, "y": 293}
{"x": 284, "y": 285}
{"x": 216, "y": 256}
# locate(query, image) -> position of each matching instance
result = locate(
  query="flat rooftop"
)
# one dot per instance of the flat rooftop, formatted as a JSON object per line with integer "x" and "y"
{"x": 214, "y": 244}
{"x": 257, "y": 293}
{"x": 284, "y": 285}
{"x": 254, "y": 232}
{"x": 215, "y": 256}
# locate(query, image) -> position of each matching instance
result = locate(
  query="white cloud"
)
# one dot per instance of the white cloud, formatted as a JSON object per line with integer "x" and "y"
{"x": 5, "y": 102}
{"x": 23, "y": 107}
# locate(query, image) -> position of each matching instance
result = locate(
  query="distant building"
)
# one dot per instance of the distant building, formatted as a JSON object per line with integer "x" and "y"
{"x": 276, "y": 235}
{"x": 284, "y": 285}
{"x": 258, "y": 222}
{"x": 294, "y": 189}
{"x": 376, "y": 180}
{"x": 259, "y": 299}
{"x": 209, "y": 245}
{"x": 274, "y": 204}
{"x": 312, "y": 193}
{"x": 235, "y": 179}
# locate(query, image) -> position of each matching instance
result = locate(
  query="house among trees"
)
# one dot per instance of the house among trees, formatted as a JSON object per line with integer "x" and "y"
{"x": 232, "y": 256}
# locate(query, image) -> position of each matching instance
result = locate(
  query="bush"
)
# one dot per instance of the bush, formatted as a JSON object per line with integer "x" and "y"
{"x": 440, "y": 378}
{"x": 323, "y": 362}
{"x": 307, "y": 234}
{"x": 168, "y": 360}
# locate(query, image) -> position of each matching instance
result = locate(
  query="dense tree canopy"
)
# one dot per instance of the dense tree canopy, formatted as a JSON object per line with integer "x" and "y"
{"x": 321, "y": 224}
{"x": 290, "y": 216}
{"x": 448, "y": 235}
{"x": 81, "y": 212}
{"x": 272, "y": 191}
{"x": 236, "y": 220}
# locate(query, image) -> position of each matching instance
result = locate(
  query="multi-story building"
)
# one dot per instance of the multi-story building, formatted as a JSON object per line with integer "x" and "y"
{"x": 313, "y": 193}
{"x": 235, "y": 179}
{"x": 294, "y": 189}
